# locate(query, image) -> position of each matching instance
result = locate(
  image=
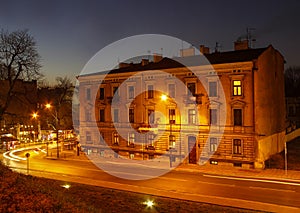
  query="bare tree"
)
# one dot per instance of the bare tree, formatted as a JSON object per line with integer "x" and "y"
{"x": 19, "y": 59}
{"x": 60, "y": 97}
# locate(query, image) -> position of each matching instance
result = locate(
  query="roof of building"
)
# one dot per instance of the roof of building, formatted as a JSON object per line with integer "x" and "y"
{"x": 211, "y": 58}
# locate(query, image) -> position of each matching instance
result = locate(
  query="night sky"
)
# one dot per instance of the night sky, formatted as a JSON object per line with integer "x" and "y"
{"x": 69, "y": 33}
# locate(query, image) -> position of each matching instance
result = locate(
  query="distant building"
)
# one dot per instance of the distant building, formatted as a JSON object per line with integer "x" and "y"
{"x": 293, "y": 112}
{"x": 18, "y": 116}
{"x": 253, "y": 84}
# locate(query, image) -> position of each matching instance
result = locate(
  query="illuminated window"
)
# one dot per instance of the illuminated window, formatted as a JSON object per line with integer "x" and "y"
{"x": 237, "y": 87}
{"x": 213, "y": 116}
{"x": 191, "y": 89}
{"x": 150, "y": 91}
{"x": 213, "y": 144}
{"x": 131, "y": 92}
{"x": 171, "y": 89}
{"x": 237, "y": 146}
{"x": 237, "y": 117}
{"x": 192, "y": 116}
{"x": 151, "y": 116}
{"x": 101, "y": 93}
{"x": 116, "y": 138}
{"x": 101, "y": 115}
{"x": 131, "y": 138}
{"x": 88, "y": 94}
{"x": 172, "y": 141}
{"x": 116, "y": 115}
{"x": 171, "y": 116}
{"x": 131, "y": 115}
{"x": 212, "y": 89}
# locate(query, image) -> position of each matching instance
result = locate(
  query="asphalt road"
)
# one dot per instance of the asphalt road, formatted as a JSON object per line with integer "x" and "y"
{"x": 268, "y": 195}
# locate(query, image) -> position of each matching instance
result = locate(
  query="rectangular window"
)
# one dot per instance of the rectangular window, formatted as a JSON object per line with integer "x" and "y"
{"x": 172, "y": 141}
{"x": 131, "y": 115}
{"x": 131, "y": 138}
{"x": 213, "y": 144}
{"x": 116, "y": 138}
{"x": 88, "y": 115}
{"x": 237, "y": 87}
{"x": 151, "y": 139}
{"x": 192, "y": 116}
{"x": 101, "y": 115}
{"x": 237, "y": 117}
{"x": 213, "y": 116}
{"x": 150, "y": 91}
{"x": 88, "y": 136}
{"x": 88, "y": 94}
{"x": 116, "y": 115}
{"x": 171, "y": 89}
{"x": 237, "y": 146}
{"x": 191, "y": 89}
{"x": 151, "y": 116}
{"x": 115, "y": 91}
{"x": 171, "y": 116}
{"x": 101, "y": 93}
{"x": 131, "y": 92}
{"x": 212, "y": 89}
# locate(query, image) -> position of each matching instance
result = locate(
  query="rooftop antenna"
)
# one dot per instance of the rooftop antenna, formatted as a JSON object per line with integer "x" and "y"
{"x": 250, "y": 38}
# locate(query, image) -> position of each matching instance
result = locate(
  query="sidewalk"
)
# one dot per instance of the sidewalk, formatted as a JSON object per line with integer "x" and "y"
{"x": 274, "y": 174}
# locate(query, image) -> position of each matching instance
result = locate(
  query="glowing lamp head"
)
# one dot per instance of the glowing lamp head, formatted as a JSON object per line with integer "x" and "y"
{"x": 163, "y": 97}
{"x": 35, "y": 115}
{"x": 48, "y": 106}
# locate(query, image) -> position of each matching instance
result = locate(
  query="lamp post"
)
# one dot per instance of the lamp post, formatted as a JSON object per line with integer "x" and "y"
{"x": 285, "y": 158}
{"x": 171, "y": 136}
{"x": 35, "y": 116}
{"x": 49, "y": 106}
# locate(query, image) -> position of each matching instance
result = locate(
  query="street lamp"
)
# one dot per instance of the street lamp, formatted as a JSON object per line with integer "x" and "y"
{"x": 49, "y": 106}
{"x": 35, "y": 116}
{"x": 172, "y": 139}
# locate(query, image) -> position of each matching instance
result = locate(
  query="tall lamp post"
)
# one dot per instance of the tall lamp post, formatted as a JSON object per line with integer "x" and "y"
{"x": 171, "y": 136}
{"x": 54, "y": 115}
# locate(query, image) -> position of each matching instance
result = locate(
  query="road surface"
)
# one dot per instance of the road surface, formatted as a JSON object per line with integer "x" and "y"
{"x": 268, "y": 195}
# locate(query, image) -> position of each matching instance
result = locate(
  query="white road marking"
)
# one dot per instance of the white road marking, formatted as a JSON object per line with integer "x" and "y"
{"x": 254, "y": 180}
{"x": 218, "y": 184}
{"x": 263, "y": 188}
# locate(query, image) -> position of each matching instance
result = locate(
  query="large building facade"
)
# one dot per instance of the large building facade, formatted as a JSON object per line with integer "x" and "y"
{"x": 234, "y": 115}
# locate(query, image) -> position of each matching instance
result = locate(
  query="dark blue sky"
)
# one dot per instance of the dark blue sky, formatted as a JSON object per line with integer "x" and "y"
{"x": 69, "y": 33}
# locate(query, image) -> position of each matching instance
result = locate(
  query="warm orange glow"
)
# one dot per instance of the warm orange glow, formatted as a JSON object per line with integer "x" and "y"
{"x": 163, "y": 97}
{"x": 48, "y": 106}
{"x": 34, "y": 115}
{"x": 149, "y": 203}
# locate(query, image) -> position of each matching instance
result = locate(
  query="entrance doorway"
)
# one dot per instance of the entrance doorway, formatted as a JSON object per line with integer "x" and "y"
{"x": 192, "y": 149}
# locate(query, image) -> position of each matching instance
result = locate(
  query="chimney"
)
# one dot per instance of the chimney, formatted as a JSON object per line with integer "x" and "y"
{"x": 187, "y": 52}
{"x": 204, "y": 49}
{"x": 241, "y": 45}
{"x": 157, "y": 57}
{"x": 145, "y": 62}
{"x": 123, "y": 65}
